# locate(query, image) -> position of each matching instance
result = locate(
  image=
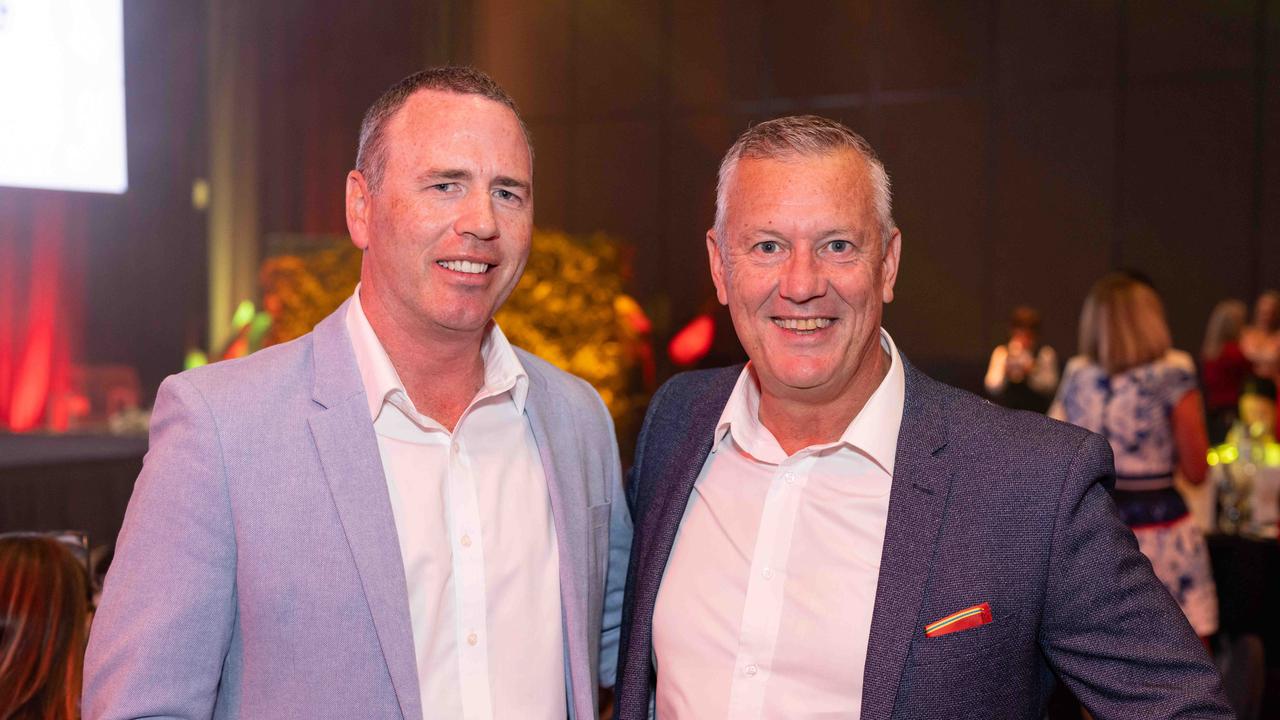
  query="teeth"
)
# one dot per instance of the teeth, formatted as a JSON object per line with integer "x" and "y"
{"x": 465, "y": 266}
{"x": 802, "y": 324}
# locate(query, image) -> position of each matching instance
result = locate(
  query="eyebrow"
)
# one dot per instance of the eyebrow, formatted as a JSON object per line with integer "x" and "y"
{"x": 510, "y": 182}
{"x": 432, "y": 176}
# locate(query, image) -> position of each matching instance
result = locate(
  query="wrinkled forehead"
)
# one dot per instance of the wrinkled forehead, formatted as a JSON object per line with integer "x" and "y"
{"x": 435, "y": 119}
{"x": 837, "y": 183}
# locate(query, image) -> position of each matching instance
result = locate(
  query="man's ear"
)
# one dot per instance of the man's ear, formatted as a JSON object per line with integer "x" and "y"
{"x": 358, "y": 198}
{"x": 889, "y": 265}
{"x": 717, "y": 266}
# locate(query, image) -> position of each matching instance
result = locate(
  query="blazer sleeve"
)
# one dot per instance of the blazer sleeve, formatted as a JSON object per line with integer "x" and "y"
{"x": 160, "y": 637}
{"x": 1109, "y": 628}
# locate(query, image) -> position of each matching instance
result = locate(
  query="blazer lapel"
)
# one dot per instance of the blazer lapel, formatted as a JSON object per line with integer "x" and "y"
{"x": 348, "y": 450}
{"x": 917, "y": 504}
{"x": 568, "y": 494}
{"x": 672, "y": 487}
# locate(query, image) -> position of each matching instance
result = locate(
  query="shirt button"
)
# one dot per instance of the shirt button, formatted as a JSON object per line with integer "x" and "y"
{"x": 790, "y": 478}
{"x": 472, "y": 639}
{"x": 768, "y": 573}
{"x": 752, "y": 670}
{"x": 455, "y": 447}
{"x": 466, "y": 541}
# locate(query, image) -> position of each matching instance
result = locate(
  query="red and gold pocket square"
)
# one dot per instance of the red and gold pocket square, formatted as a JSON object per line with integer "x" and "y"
{"x": 969, "y": 617}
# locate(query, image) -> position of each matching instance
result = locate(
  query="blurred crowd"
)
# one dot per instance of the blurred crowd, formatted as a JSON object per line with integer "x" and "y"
{"x": 1183, "y": 433}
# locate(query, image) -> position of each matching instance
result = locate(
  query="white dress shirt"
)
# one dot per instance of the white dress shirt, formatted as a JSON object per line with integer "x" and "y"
{"x": 473, "y": 518}
{"x": 765, "y": 607}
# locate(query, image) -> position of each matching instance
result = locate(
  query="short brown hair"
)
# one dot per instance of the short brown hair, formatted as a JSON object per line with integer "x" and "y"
{"x": 371, "y": 155}
{"x": 43, "y": 610}
{"x": 1122, "y": 324}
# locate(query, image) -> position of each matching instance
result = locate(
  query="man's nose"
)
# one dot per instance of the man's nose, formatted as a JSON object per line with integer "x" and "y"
{"x": 802, "y": 279}
{"x": 476, "y": 217}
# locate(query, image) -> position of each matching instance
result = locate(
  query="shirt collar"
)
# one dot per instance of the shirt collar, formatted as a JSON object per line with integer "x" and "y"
{"x": 874, "y": 431}
{"x": 502, "y": 369}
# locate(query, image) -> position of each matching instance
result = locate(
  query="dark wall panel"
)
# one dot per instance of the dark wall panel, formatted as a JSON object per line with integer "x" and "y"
{"x": 830, "y": 57}
{"x": 1187, "y": 178}
{"x": 696, "y": 148}
{"x": 1052, "y": 204}
{"x": 1049, "y": 45}
{"x": 1267, "y": 240}
{"x": 528, "y": 48}
{"x": 1171, "y": 36}
{"x": 313, "y": 94}
{"x": 935, "y": 154}
{"x": 619, "y": 57}
{"x": 1033, "y": 146}
{"x": 552, "y": 173}
{"x": 704, "y": 71}
{"x": 616, "y": 190}
{"x": 929, "y": 45}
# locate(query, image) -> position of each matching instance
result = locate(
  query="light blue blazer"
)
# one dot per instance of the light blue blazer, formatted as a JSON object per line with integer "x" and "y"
{"x": 258, "y": 573}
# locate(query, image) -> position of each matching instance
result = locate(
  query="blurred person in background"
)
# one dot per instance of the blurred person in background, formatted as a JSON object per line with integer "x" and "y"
{"x": 1173, "y": 356}
{"x": 1260, "y": 341}
{"x": 1223, "y": 367}
{"x": 1246, "y": 468}
{"x": 1023, "y": 373}
{"x": 43, "y": 612}
{"x": 1149, "y": 409}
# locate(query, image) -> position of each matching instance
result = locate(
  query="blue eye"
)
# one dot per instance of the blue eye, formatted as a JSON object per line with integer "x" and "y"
{"x": 768, "y": 247}
{"x": 840, "y": 246}
{"x": 505, "y": 195}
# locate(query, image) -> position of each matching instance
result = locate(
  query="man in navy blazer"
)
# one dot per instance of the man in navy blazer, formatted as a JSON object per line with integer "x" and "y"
{"x": 828, "y": 532}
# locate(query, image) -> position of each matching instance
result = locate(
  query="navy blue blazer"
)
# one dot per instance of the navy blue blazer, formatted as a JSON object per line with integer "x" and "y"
{"x": 987, "y": 505}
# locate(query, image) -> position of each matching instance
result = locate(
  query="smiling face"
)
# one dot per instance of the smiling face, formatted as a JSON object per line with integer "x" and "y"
{"x": 447, "y": 234}
{"x": 805, "y": 273}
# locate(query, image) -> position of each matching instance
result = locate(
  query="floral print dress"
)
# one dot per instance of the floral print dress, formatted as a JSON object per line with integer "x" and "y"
{"x": 1134, "y": 411}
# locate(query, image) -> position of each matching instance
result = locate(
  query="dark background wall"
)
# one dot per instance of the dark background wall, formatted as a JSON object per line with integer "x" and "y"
{"x": 1033, "y": 146}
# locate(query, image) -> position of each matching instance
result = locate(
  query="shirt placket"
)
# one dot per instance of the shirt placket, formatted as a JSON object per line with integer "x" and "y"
{"x": 762, "y": 610}
{"x": 467, "y": 542}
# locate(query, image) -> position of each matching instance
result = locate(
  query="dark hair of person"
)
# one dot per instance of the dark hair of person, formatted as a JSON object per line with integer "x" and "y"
{"x": 371, "y": 156}
{"x": 1025, "y": 317}
{"x": 43, "y": 612}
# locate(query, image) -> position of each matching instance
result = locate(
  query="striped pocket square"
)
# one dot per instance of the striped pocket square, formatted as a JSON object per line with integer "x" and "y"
{"x": 969, "y": 617}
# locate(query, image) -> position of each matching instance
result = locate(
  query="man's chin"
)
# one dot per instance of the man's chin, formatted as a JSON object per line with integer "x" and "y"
{"x": 797, "y": 382}
{"x": 464, "y": 323}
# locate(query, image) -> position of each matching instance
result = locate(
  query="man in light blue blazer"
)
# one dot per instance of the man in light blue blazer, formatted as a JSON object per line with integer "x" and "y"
{"x": 397, "y": 515}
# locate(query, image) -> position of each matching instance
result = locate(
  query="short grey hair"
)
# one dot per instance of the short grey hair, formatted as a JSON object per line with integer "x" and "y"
{"x": 806, "y": 135}
{"x": 371, "y": 155}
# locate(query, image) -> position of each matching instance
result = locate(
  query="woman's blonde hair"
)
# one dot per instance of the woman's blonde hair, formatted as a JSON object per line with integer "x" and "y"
{"x": 1122, "y": 324}
{"x": 1225, "y": 323}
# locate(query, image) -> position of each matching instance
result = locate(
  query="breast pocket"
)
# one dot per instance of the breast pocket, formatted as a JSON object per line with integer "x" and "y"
{"x": 964, "y": 645}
